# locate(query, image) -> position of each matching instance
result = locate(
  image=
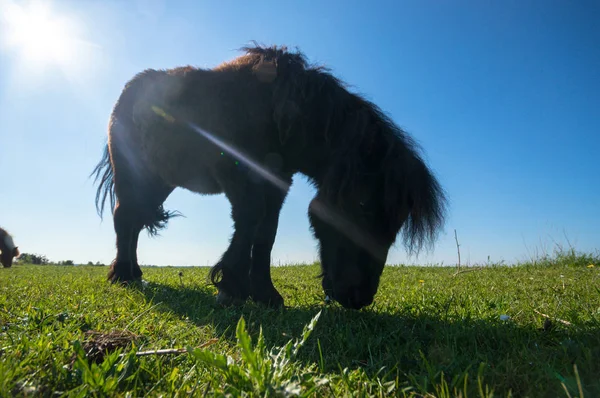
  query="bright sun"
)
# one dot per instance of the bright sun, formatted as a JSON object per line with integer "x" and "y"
{"x": 40, "y": 37}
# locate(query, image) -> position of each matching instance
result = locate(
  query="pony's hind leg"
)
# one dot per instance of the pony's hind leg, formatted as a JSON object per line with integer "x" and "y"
{"x": 124, "y": 267}
{"x": 129, "y": 219}
{"x": 140, "y": 196}
{"x": 262, "y": 289}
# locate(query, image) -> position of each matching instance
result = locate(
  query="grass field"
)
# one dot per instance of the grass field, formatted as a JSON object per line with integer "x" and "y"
{"x": 528, "y": 330}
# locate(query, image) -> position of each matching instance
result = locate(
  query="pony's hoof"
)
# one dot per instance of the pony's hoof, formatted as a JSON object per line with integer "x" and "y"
{"x": 124, "y": 274}
{"x": 226, "y": 300}
{"x": 124, "y": 281}
{"x": 273, "y": 300}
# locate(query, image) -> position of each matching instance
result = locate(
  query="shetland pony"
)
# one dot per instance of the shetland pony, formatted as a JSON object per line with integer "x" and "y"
{"x": 8, "y": 250}
{"x": 244, "y": 129}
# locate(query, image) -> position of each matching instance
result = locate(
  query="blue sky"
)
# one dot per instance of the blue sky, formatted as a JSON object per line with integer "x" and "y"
{"x": 502, "y": 96}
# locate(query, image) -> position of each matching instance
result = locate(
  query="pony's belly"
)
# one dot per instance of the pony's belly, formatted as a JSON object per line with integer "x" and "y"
{"x": 181, "y": 164}
{"x": 191, "y": 174}
{"x": 202, "y": 184}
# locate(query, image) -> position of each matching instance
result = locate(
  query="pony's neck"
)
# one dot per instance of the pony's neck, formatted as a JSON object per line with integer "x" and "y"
{"x": 323, "y": 125}
{"x": 309, "y": 156}
{"x": 316, "y": 155}
{"x": 314, "y": 165}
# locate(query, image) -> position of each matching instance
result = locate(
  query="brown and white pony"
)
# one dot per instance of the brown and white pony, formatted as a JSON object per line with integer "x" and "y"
{"x": 8, "y": 249}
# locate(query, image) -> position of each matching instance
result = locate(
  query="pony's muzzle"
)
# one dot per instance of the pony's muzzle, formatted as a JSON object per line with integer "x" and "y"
{"x": 354, "y": 296}
{"x": 357, "y": 298}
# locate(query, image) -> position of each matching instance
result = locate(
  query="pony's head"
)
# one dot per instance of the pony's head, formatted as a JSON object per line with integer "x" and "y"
{"x": 9, "y": 252}
{"x": 364, "y": 201}
{"x": 354, "y": 238}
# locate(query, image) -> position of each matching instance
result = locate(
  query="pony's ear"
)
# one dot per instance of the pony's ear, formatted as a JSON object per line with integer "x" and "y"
{"x": 265, "y": 71}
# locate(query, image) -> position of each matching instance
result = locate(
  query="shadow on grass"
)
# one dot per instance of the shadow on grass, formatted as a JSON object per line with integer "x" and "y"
{"x": 420, "y": 347}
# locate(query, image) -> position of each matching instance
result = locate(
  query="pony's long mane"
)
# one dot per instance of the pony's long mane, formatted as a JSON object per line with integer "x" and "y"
{"x": 360, "y": 140}
{"x": 257, "y": 54}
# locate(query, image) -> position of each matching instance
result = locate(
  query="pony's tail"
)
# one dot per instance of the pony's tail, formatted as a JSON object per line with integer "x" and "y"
{"x": 427, "y": 202}
{"x": 106, "y": 188}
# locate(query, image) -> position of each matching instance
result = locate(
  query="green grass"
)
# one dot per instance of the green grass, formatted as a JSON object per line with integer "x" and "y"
{"x": 429, "y": 333}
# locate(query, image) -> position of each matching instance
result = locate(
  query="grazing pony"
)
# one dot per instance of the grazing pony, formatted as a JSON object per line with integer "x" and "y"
{"x": 244, "y": 129}
{"x": 8, "y": 250}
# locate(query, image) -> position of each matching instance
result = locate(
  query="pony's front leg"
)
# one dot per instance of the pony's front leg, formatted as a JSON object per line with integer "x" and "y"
{"x": 262, "y": 289}
{"x": 230, "y": 274}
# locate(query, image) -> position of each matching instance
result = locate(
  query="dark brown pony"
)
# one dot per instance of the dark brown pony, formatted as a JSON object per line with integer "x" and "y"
{"x": 244, "y": 129}
{"x": 8, "y": 250}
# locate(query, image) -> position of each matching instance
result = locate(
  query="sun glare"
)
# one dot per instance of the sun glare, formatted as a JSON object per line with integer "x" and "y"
{"x": 38, "y": 36}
